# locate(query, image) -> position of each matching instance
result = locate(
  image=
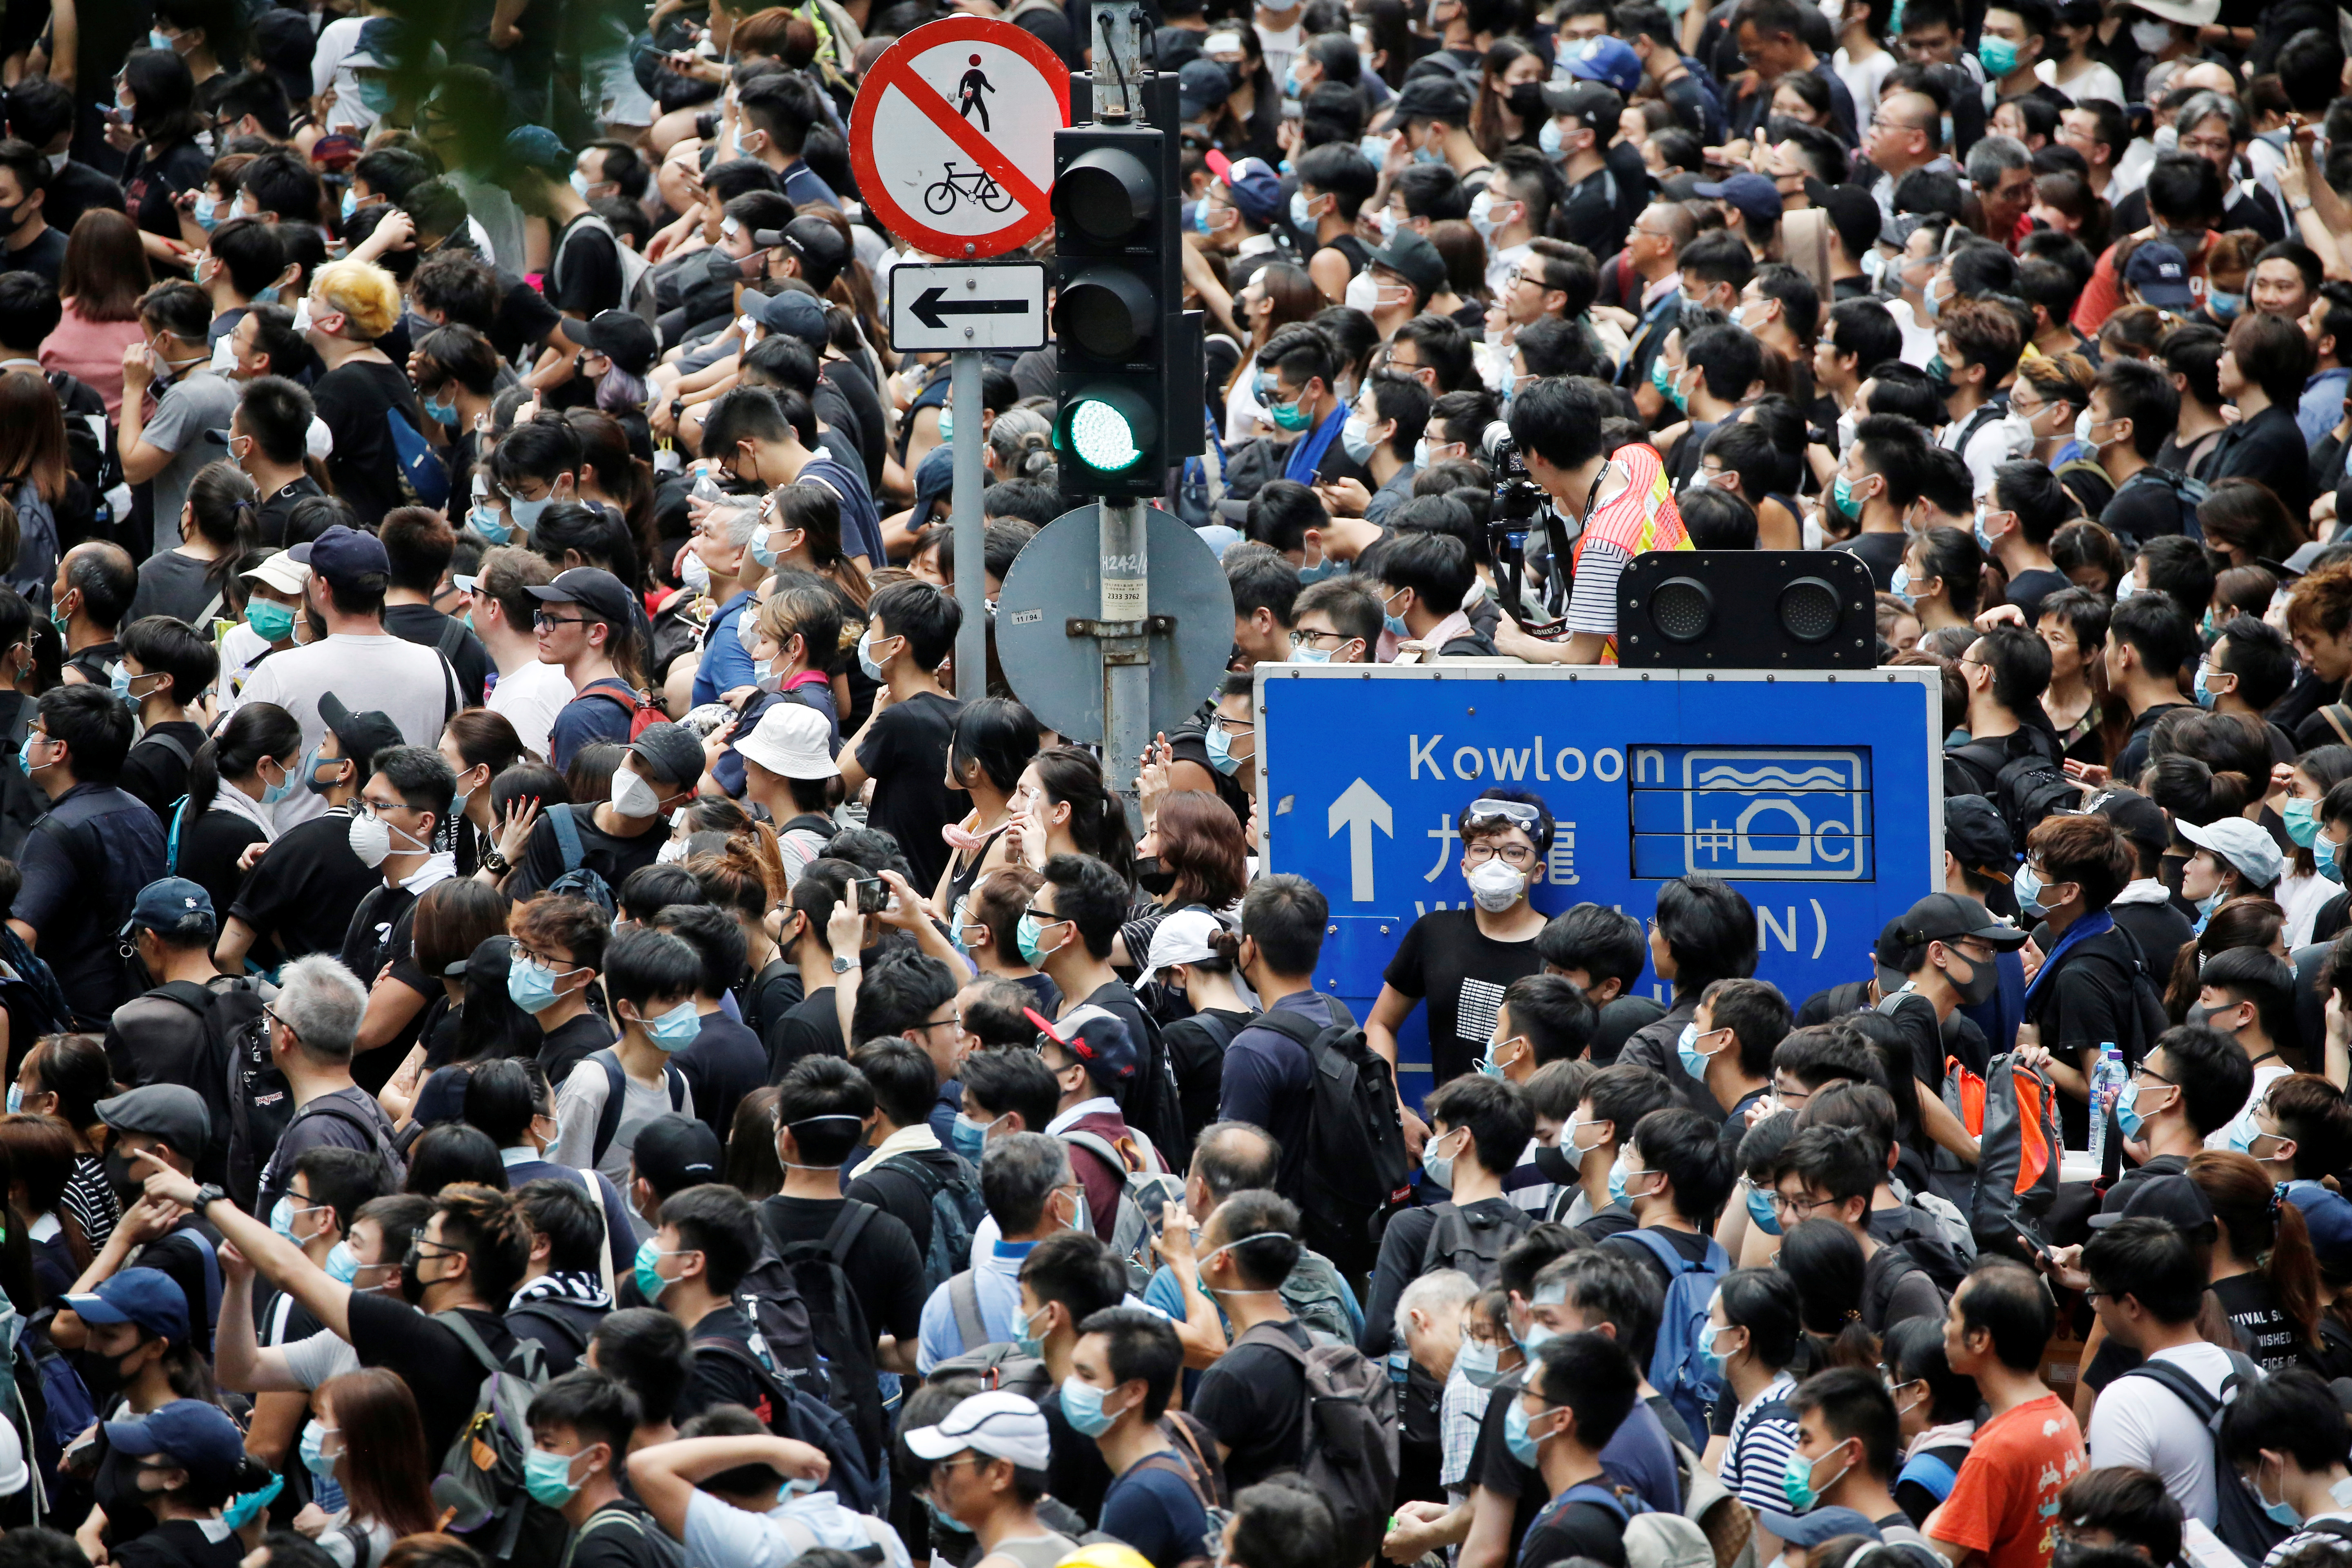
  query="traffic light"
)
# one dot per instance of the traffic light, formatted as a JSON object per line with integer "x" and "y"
{"x": 1114, "y": 227}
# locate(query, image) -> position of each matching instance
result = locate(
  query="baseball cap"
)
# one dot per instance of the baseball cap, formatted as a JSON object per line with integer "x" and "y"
{"x": 1976, "y": 836}
{"x": 1946, "y": 917}
{"x": 1810, "y": 1529}
{"x": 342, "y": 555}
{"x": 2139, "y": 818}
{"x": 165, "y": 904}
{"x": 147, "y": 1297}
{"x": 1609, "y": 60}
{"x": 792, "y": 313}
{"x": 1182, "y": 937}
{"x": 193, "y": 1433}
{"x": 2174, "y": 1198}
{"x": 537, "y": 147}
{"x": 673, "y": 1153}
{"x": 1095, "y": 1037}
{"x": 592, "y": 588}
{"x": 1200, "y": 86}
{"x": 1756, "y": 198}
{"x": 821, "y": 252}
{"x": 1411, "y": 257}
{"x": 1255, "y": 190}
{"x": 791, "y": 740}
{"x": 624, "y": 337}
{"x": 670, "y": 751}
{"x": 172, "y": 1111}
{"x": 2328, "y": 1218}
{"x": 2160, "y": 273}
{"x": 1433, "y": 97}
{"x": 1594, "y": 103}
{"x": 2252, "y": 851}
{"x": 280, "y": 570}
{"x": 362, "y": 735}
{"x": 1000, "y": 1424}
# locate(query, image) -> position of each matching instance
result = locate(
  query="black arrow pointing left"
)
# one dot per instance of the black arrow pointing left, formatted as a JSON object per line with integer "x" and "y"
{"x": 932, "y": 307}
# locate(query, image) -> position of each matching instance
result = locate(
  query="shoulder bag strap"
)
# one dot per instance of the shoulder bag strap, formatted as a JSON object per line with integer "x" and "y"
{"x": 595, "y": 1184}
{"x": 616, "y": 1093}
{"x": 851, "y": 1224}
{"x": 2335, "y": 713}
{"x": 566, "y": 830}
{"x": 456, "y": 1323}
{"x": 963, "y": 1297}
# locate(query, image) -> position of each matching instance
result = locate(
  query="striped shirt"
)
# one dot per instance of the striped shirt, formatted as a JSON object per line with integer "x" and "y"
{"x": 1459, "y": 1412}
{"x": 1757, "y": 1453}
{"x": 91, "y": 1200}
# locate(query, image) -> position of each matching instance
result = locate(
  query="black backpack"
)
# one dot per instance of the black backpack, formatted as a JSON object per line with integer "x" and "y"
{"x": 838, "y": 1331}
{"x": 1153, "y": 1107}
{"x": 1356, "y": 1166}
{"x": 392, "y": 1168}
{"x": 243, "y": 1092}
{"x": 789, "y": 1412}
{"x": 1473, "y": 1243}
{"x": 2023, "y": 784}
{"x": 2238, "y": 1519}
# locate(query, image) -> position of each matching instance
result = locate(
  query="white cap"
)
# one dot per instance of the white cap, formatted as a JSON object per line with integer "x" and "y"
{"x": 1000, "y": 1424}
{"x": 281, "y": 572}
{"x": 792, "y": 741}
{"x": 1182, "y": 937}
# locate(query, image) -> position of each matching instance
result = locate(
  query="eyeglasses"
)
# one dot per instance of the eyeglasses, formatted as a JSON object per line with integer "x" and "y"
{"x": 1314, "y": 639}
{"x": 1784, "y": 1204}
{"x": 1511, "y": 854}
{"x": 547, "y": 620}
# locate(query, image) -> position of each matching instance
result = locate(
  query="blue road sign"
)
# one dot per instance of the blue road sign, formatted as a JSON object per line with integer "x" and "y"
{"x": 1818, "y": 794}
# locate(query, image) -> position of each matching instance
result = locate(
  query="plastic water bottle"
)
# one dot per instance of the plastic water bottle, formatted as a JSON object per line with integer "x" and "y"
{"x": 2107, "y": 1083}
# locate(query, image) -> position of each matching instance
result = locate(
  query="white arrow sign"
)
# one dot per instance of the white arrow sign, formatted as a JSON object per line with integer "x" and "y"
{"x": 999, "y": 305}
{"x": 1359, "y": 809}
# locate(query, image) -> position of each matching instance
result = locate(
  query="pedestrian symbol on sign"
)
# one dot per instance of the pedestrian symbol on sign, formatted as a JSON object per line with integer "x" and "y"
{"x": 974, "y": 83}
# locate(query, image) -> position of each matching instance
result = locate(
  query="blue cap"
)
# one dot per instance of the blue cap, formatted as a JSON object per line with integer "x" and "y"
{"x": 146, "y": 1297}
{"x": 537, "y": 147}
{"x": 173, "y": 905}
{"x": 1255, "y": 190}
{"x": 191, "y": 1433}
{"x": 1756, "y": 198}
{"x": 2160, "y": 273}
{"x": 1607, "y": 59}
{"x": 2328, "y": 1217}
{"x": 1096, "y": 1038}
{"x": 343, "y": 555}
{"x": 1810, "y": 1529}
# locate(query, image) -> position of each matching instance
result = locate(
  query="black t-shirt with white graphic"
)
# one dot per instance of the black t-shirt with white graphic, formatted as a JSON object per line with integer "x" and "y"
{"x": 1462, "y": 973}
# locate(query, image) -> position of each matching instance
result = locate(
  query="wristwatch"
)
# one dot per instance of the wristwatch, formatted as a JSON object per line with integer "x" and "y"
{"x": 843, "y": 965}
{"x": 495, "y": 864}
{"x": 207, "y": 1194}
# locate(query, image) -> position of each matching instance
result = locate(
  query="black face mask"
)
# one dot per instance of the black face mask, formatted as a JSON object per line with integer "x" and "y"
{"x": 412, "y": 1283}
{"x": 101, "y": 1375}
{"x": 1152, "y": 877}
{"x": 1526, "y": 100}
{"x": 1556, "y": 1164}
{"x": 127, "y": 1186}
{"x": 129, "y": 1511}
{"x": 1983, "y": 981}
{"x": 723, "y": 268}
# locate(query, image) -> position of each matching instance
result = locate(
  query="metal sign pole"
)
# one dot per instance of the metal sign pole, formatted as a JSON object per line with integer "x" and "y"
{"x": 971, "y": 529}
{"x": 1125, "y": 574}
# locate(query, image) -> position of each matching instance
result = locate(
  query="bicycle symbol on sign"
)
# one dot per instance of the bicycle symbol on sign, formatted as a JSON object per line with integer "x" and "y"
{"x": 978, "y": 186}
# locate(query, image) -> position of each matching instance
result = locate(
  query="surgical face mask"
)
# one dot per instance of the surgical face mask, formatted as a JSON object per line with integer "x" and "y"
{"x": 487, "y": 522}
{"x": 2028, "y": 888}
{"x": 2128, "y": 1116}
{"x": 969, "y": 1136}
{"x": 371, "y": 840}
{"x": 1496, "y": 885}
{"x": 2323, "y": 850}
{"x": 1029, "y": 935}
{"x": 1693, "y": 1060}
{"x": 2302, "y": 821}
{"x": 1385, "y": 220}
{"x": 2083, "y": 426}
{"x": 1375, "y": 149}
{"x": 1523, "y": 1443}
{"x": 342, "y": 1263}
{"x": 303, "y": 314}
{"x": 2203, "y": 687}
{"x": 632, "y": 797}
{"x": 2153, "y": 38}
{"x": 206, "y": 212}
{"x": 526, "y": 513}
{"x": 1760, "y": 1212}
{"x": 1984, "y": 536}
{"x": 548, "y": 1477}
{"x": 1363, "y": 293}
{"x": 1901, "y": 585}
{"x": 350, "y": 203}
{"x": 1355, "y": 436}
{"x": 1302, "y": 214}
{"x": 580, "y": 184}
{"x": 1998, "y": 55}
{"x": 694, "y": 575}
{"x": 2224, "y": 305}
{"x": 1476, "y": 1361}
{"x": 1482, "y": 214}
{"x": 1549, "y": 139}
{"x": 1439, "y": 1168}
{"x": 762, "y": 550}
{"x": 1083, "y": 1403}
{"x": 314, "y": 1450}
{"x": 1849, "y": 504}
{"x": 1797, "y": 1479}
{"x": 1028, "y": 1343}
{"x": 674, "y": 1030}
{"x": 531, "y": 986}
{"x": 16, "y": 1099}
{"x": 866, "y": 659}
{"x": 442, "y": 412}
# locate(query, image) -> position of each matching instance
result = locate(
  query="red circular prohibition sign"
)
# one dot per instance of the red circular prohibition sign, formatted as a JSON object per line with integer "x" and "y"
{"x": 1032, "y": 214}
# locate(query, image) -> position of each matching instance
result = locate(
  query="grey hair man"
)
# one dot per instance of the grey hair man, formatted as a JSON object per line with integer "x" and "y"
{"x": 1031, "y": 1193}
{"x": 314, "y": 1022}
{"x": 2001, "y": 172}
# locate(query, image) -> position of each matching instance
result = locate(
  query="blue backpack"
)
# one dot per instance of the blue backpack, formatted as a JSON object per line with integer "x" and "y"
{"x": 956, "y": 1208}
{"x": 427, "y": 477}
{"x": 1679, "y": 1365}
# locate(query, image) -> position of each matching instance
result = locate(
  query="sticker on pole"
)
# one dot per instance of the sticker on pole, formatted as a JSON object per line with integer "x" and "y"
{"x": 952, "y": 136}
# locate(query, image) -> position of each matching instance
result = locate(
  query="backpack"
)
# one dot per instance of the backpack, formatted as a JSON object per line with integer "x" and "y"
{"x": 953, "y": 1198}
{"x": 1147, "y": 1186}
{"x": 1678, "y": 1364}
{"x": 578, "y": 881}
{"x": 392, "y": 1170}
{"x": 242, "y": 1091}
{"x": 999, "y": 1365}
{"x": 659, "y": 1550}
{"x": 2023, "y": 784}
{"x": 1152, "y": 1104}
{"x": 2238, "y": 1519}
{"x": 1651, "y": 1539}
{"x": 1318, "y": 1297}
{"x": 644, "y": 714}
{"x": 422, "y": 474}
{"x": 616, "y": 1094}
{"x": 637, "y": 272}
{"x": 783, "y": 1337}
{"x": 1349, "y": 1457}
{"x": 844, "y": 1344}
{"x": 1887, "y": 1268}
{"x": 788, "y": 1413}
{"x": 2017, "y": 1152}
{"x": 1356, "y": 1168}
{"x": 1724, "y": 1522}
{"x": 2186, "y": 492}
{"x": 963, "y": 1304}
{"x": 479, "y": 1487}
{"x": 1474, "y": 1244}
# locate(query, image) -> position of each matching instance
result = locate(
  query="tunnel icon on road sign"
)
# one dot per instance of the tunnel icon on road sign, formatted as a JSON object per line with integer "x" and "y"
{"x": 1782, "y": 812}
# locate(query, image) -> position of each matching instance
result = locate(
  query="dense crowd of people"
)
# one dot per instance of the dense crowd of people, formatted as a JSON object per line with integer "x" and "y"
{"x": 547, "y": 1025}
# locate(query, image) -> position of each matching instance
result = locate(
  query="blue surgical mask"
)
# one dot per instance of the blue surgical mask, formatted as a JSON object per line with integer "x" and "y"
{"x": 764, "y": 548}
{"x": 440, "y": 413}
{"x": 1548, "y": 138}
{"x": 1523, "y": 1443}
{"x": 206, "y": 212}
{"x": 1355, "y": 436}
{"x": 866, "y": 660}
{"x": 2204, "y": 688}
{"x": 1761, "y": 1214}
{"x": 1477, "y": 1360}
{"x": 2302, "y": 821}
{"x": 1219, "y": 747}
{"x": 281, "y": 1215}
{"x": 1901, "y": 586}
{"x": 531, "y": 987}
{"x": 526, "y": 513}
{"x": 342, "y": 1263}
{"x": 1693, "y": 1060}
{"x": 2225, "y": 307}
{"x": 490, "y": 524}
{"x": 2028, "y": 888}
{"x": 1983, "y": 538}
{"x": 16, "y": 1099}
{"x": 967, "y": 1137}
{"x": 2127, "y": 1116}
{"x": 350, "y": 203}
{"x": 1083, "y": 1403}
{"x": 580, "y": 185}
{"x": 271, "y": 794}
{"x": 2323, "y": 850}
{"x": 1438, "y": 1168}
{"x": 1301, "y": 218}
{"x": 675, "y": 1029}
{"x": 1715, "y": 1358}
{"x": 313, "y": 1449}
{"x": 1617, "y": 1179}
{"x": 1027, "y": 1344}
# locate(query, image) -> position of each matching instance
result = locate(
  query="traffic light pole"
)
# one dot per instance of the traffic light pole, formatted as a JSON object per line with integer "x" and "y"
{"x": 1126, "y": 562}
{"x": 971, "y": 529}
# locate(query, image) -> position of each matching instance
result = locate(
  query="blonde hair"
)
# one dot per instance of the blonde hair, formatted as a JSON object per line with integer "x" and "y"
{"x": 361, "y": 291}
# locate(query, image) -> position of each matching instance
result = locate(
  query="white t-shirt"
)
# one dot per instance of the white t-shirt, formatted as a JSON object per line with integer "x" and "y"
{"x": 720, "y": 1533}
{"x": 411, "y": 684}
{"x": 2140, "y": 1423}
{"x": 2098, "y": 83}
{"x": 530, "y": 698}
{"x": 2269, "y": 1073}
{"x": 1862, "y": 78}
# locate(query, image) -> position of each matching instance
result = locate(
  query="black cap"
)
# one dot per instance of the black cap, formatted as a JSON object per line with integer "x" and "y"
{"x": 819, "y": 246}
{"x": 2176, "y": 1199}
{"x": 1433, "y": 98}
{"x": 592, "y": 588}
{"x": 2139, "y": 818}
{"x": 674, "y": 1153}
{"x": 625, "y": 338}
{"x": 1592, "y": 102}
{"x": 1412, "y": 257}
{"x": 362, "y": 735}
{"x": 1948, "y": 917}
{"x": 1977, "y": 838}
